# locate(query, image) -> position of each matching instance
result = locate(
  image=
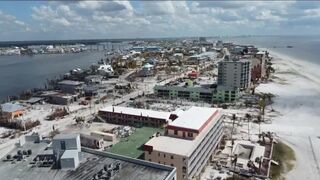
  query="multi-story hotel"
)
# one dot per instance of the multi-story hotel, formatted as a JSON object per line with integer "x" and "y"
{"x": 234, "y": 73}
{"x": 189, "y": 141}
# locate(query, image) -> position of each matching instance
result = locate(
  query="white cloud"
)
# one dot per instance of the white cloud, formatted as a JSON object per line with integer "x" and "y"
{"x": 122, "y": 19}
{"x": 10, "y": 24}
{"x": 312, "y": 12}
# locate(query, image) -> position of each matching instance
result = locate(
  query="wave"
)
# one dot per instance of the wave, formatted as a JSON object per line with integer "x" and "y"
{"x": 299, "y": 66}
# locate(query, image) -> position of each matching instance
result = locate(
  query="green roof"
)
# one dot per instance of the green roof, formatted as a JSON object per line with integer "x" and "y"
{"x": 132, "y": 145}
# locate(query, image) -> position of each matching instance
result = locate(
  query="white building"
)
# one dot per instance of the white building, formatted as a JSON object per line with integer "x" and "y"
{"x": 234, "y": 73}
{"x": 66, "y": 149}
{"x": 105, "y": 69}
{"x": 189, "y": 142}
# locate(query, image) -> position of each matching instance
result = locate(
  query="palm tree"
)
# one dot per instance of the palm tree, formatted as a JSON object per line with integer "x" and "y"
{"x": 262, "y": 104}
{"x": 259, "y": 122}
{"x": 234, "y": 117}
{"x": 234, "y": 161}
{"x": 248, "y": 117}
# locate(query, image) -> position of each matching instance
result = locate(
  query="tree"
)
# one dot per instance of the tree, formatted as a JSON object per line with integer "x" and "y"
{"x": 262, "y": 104}
{"x": 79, "y": 119}
{"x": 248, "y": 117}
{"x": 259, "y": 122}
{"x": 234, "y": 161}
{"x": 234, "y": 117}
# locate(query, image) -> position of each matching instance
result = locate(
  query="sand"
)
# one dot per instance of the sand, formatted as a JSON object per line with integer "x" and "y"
{"x": 297, "y": 89}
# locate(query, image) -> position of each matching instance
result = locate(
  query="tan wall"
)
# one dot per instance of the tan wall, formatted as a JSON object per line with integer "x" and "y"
{"x": 180, "y": 134}
{"x": 177, "y": 161}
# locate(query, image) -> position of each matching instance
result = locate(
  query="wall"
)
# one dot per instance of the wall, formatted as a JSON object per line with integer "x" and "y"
{"x": 177, "y": 161}
{"x": 71, "y": 144}
{"x": 180, "y": 134}
{"x": 69, "y": 163}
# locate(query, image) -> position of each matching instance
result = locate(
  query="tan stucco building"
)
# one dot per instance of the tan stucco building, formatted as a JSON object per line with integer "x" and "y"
{"x": 189, "y": 141}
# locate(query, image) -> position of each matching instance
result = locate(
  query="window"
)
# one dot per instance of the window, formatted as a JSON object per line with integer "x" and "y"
{"x": 158, "y": 154}
{"x": 63, "y": 145}
{"x": 171, "y": 164}
{"x": 164, "y": 155}
{"x": 171, "y": 157}
{"x": 175, "y": 132}
{"x": 184, "y": 169}
{"x": 190, "y": 134}
{"x": 149, "y": 159}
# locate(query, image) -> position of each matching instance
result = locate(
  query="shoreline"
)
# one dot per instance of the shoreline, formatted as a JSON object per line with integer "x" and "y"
{"x": 297, "y": 100}
{"x": 299, "y": 65}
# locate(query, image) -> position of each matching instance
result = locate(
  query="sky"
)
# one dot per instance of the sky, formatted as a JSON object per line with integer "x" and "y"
{"x": 55, "y": 20}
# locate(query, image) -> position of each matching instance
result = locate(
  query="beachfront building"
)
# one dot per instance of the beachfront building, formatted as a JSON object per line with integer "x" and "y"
{"x": 134, "y": 116}
{"x": 256, "y": 67}
{"x": 263, "y": 56}
{"x": 234, "y": 73}
{"x": 189, "y": 141}
{"x": 226, "y": 94}
{"x": 198, "y": 92}
{"x": 184, "y": 92}
{"x": 258, "y": 64}
{"x": 11, "y": 111}
{"x": 71, "y": 87}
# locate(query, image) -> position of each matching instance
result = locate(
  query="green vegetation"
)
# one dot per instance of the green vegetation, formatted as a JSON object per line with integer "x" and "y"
{"x": 132, "y": 145}
{"x": 283, "y": 154}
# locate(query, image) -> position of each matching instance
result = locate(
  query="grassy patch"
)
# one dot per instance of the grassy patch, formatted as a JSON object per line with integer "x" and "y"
{"x": 283, "y": 154}
{"x": 131, "y": 146}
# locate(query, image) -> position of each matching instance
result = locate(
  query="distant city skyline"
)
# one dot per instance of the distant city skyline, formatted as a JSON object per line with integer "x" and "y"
{"x": 58, "y": 20}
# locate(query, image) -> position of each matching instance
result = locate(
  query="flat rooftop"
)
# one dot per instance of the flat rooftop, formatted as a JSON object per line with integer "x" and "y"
{"x": 180, "y": 146}
{"x": 92, "y": 163}
{"x": 10, "y": 107}
{"x": 171, "y": 145}
{"x": 194, "y": 118}
{"x": 200, "y": 82}
{"x": 65, "y": 136}
{"x": 137, "y": 112}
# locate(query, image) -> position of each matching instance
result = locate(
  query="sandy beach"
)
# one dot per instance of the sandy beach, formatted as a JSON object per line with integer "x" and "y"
{"x": 296, "y": 120}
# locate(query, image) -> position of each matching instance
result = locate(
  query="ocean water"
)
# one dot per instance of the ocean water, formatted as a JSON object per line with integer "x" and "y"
{"x": 20, "y": 73}
{"x": 304, "y": 54}
{"x": 305, "y": 48}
